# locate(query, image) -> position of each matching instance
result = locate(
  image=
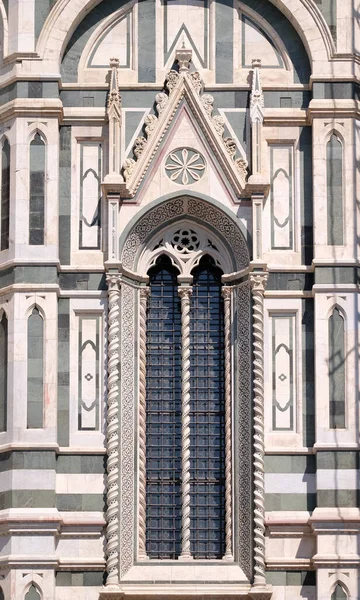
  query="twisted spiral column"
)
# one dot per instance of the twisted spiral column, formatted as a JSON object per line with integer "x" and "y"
{"x": 112, "y": 531}
{"x": 144, "y": 294}
{"x": 258, "y": 284}
{"x": 226, "y": 292}
{"x": 185, "y": 293}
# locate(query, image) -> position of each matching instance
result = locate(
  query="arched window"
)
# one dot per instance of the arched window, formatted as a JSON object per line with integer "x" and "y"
{"x": 37, "y": 192}
{"x": 32, "y": 594}
{"x": 339, "y": 593}
{"x": 163, "y": 413}
{"x": 207, "y": 451}
{"x": 5, "y": 195}
{"x": 3, "y": 372}
{"x": 185, "y": 467}
{"x": 35, "y": 371}
{"x": 336, "y": 370}
{"x": 335, "y": 208}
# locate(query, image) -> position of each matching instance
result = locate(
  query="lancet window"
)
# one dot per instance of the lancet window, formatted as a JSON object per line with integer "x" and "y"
{"x": 188, "y": 404}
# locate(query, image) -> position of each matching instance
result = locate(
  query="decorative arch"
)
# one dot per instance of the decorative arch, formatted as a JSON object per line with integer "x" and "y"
{"x": 37, "y": 191}
{"x": 207, "y": 212}
{"x": 335, "y": 189}
{"x": 37, "y": 130}
{"x": 33, "y": 593}
{"x": 337, "y": 368}
{"x": 309, "y": 24}
{"x": 340, "y": 591}
{"x": 268, "y": 31}
{"x": 105, "y": 27}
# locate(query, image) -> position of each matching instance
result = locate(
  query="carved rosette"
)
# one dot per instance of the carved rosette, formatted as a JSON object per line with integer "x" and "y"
{"x": 144, "y": 294}
{"x": 228, "y": 429}
{"x": 112, "y": 533}
{"x": 258, "y": 284}
{"x": 185, "y": 293}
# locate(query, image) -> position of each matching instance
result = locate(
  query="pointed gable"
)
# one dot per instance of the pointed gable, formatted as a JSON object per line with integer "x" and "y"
{"x": 184, "y": 88}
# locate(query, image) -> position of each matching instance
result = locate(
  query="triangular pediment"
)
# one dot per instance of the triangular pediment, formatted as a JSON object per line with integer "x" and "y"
{"x": 185, "y": 87}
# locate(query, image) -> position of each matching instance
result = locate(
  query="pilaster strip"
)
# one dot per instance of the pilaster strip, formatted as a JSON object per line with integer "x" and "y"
{"x": 144, "y": 294}
{"x": 185, "y": 293}
{"x": 227, "y": 293}
{"x": 258, "y": 284}
{"x": 112, "y": 533}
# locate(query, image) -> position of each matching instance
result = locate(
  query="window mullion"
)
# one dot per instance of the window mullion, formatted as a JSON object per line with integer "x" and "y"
{"x": 185, "y": 293}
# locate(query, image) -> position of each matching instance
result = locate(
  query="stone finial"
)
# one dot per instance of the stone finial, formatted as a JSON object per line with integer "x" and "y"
{"x": 257, "y": 96}
{"x": 114, "y": 100}
{"x": 183, "y": 57}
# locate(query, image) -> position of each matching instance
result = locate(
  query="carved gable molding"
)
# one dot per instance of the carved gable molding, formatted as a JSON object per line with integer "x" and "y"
{"x": 187, "y": 86}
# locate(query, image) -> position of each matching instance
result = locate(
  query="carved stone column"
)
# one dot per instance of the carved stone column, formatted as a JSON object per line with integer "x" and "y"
{"x": 185, "y": 293}
{"x": 258, "y": 284}
{"x": 112, "y": 532}
{"x": 144, "y": 294}
{"x": 227, "y": 294}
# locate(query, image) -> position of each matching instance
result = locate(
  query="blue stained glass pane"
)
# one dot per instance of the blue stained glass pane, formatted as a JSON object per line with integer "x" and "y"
{"x": 207, "y": 414}
{"x": 163, "y": 398}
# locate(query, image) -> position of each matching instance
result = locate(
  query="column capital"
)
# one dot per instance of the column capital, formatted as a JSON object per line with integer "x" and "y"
{"x": 185, "y": 291}
{"x": 258, "y": 281}
{"x": 144, "y": 292}
{"x": 113, "y": 281}
{"x": 226, "y": 292}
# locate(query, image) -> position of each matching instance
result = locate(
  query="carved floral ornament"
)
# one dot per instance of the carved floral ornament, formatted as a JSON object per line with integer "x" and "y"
{"x": 180, "y": 85}
{"x": 185, "y": 166}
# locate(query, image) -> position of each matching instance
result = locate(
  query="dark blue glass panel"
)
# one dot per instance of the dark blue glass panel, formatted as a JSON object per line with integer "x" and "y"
{"x": 207, "y": 441}
{"x": 163, "y": 400}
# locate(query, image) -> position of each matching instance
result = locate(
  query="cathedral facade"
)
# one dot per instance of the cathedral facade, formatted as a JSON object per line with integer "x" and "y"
{"x": 179, "y": 300}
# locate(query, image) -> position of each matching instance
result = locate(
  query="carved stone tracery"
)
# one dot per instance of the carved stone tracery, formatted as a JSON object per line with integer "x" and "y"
{"x": 184, "y": 206}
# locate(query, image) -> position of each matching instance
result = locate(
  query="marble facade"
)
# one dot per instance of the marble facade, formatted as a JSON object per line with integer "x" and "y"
{"x": 239, "y": 119}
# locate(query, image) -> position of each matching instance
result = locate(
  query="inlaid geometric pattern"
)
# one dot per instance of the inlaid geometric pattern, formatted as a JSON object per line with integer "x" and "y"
{"x": 283, "y": 366}
{"x": 89, "y": 371}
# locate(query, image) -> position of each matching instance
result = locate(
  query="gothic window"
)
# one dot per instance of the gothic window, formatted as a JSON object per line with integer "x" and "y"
{"x": 185, "y": 409}
{"x": 37, "y": 192}
{"x": 335, "y": 209}
{"x": 3, "y": 372}
{"x": 5, "y": 195}
{"x": 35, "y": 371}
{"x": 163, "y": 417}
{"x": 337, "y": 370}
